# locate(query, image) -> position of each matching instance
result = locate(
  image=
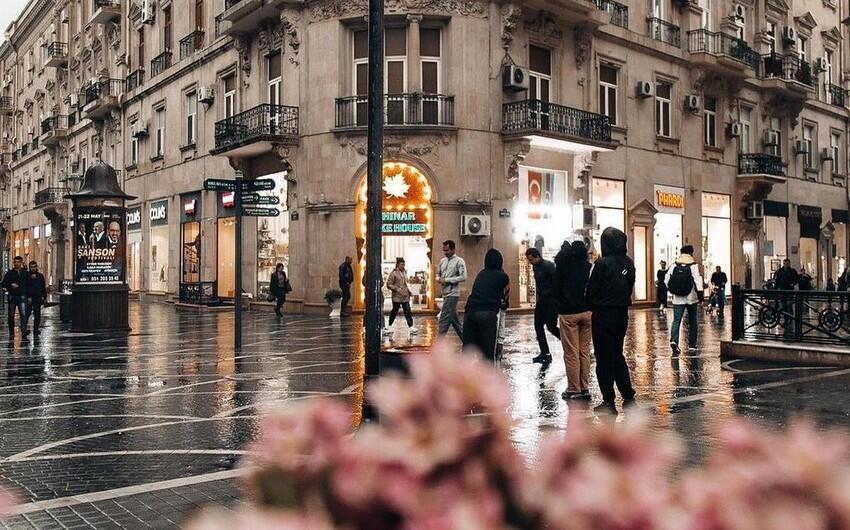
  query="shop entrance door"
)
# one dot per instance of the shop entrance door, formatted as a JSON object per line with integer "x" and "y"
{"x": 414, "y": 250}
{"x": 226, "y": 262}
{"x": 134, "y": 264}
{"x": 668, "y": 239}
{"x": 809, "y": 258}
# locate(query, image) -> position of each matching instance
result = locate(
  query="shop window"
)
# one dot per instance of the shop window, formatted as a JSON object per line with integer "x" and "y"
{"x": 775, "y": 247}
{"x": 663, "y": 119}
{"x": 272, "y": 239}
{"x": 608, "y": 91}
{"x": 609, "y": 198}
{"x": 226, "y": 257}
{"x": 716, "y": 233}
{"x": 640, "y": 251}
{"x": 710, "y": 121}
{"x": 839, "y": 251}
{"x": 191, "y": 238}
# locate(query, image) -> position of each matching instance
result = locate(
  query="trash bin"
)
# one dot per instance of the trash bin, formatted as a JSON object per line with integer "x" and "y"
{"x": 65, "y": 307}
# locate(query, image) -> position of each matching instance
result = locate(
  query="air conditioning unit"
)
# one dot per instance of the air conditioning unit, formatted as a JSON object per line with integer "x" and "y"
{"x": 789, "y": 35}
{"x": 475, "y": 225}
{"x": 644, "y": 89}
{"x": 692, "y": 103}
{"x": 820, "y": 64}
{"x": 771, "y": 138}
{"x": 826, "y": 154}
{"x": 755, "y": 210}
{"x": 800, "y": 147}
{"x": 139, "y": 129}
{"x": 63, "y": 17}
{"x": 74, "y": 99}
{"x": 739, "y": 11}
{"x": 588, "y": 218}
{"x": 514, "y": 78}
{"x": 206, "y": 94}
{"x": 734, "y": 129}
{"x": 148, "y": 12}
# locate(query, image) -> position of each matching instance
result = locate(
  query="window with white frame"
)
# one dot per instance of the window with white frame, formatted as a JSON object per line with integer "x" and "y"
{"x": 706, "y": 14}
{"x": 808, "y": 143}
{"x": 229, "y": 96}
{"x": 710, "y": 121}
{"x": 770, "y": 33}
{"x": 159, "y": 138}
{"x": 273, "y": 67}
{"x": 191, "y": 117}
{"x": 540, "y": 75}
{"x": 663, "y": 119}
{"x": 134, "y": 149}
{"x": 658, "y": 9}
{"x": 608, "y": 91}
{"x": 802, "y": 48}
{"x": 835, "y": 151}
{"x": 746, "y": 138}
{"x": 776, "y": 135}
{"x": 827, "y": 59}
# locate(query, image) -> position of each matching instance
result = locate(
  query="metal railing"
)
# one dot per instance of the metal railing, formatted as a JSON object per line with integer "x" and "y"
{"x": 52, "y": 123}
{"x": 191, "y": 43}
{"x": 49, "y": 196}
{"x": 25, "y": 149}
{"x": 99, "y": 4}
{"x": 816, "y": 317}
{"x": 664, "y": 31}
{"x": 260, "y": 121}
{"x": 619, "y": 12}
{"x": 57, "y": 49}
{"x": 536, "y": 115}
{"x": 399, "y": 109}
{"x": 135, "y": 79}
{"x": 789, "y": 68}
{"x": 760, "y": 164}
{"x": 103, "y": 89}
{"x": 199, "y": 293}
{"x": 230, "y": 3}
{"x": 836, "y": 95}
{"x": 715, "y": 43}
{"x": 35, "y": 143}
{"x": 72, "y": 119}
{"x": 160, "y": 63}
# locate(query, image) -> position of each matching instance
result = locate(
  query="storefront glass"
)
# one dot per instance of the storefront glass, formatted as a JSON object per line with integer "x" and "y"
{"x": 157, "y": 212}
{"x": 839, "y": 254}
{"x": 272, "y": 238}
{"x": 809, "y": 256}
{"x": 668, "y": 238}
{"x": 226, "y": 257}
{"x": 640, "y": 262}
{"x": 716, "y": 233}
{"x": 609, "y": 198}
{"x": 134, "y": 260}
{"x": 191, "y": 241}
{"x": 775, "y": 247}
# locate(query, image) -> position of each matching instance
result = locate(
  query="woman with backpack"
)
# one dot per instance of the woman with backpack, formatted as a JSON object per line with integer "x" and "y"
{"x": 685, "y": 284}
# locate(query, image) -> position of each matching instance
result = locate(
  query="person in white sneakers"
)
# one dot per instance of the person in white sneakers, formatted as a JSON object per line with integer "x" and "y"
{"x": 397, "y": 284}
{"x": 685, "y": 284}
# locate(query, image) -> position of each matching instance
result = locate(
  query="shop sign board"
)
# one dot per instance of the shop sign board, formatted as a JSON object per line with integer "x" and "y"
{"x": 99, "y": 245}
{"x": 158, "y": 213}
{"x": 254, "y": 211}
{"x": 256, "y": 198}
{"x": 669, "y": 199}
{"x": 134, "y": 218}
{"x": 258, "y": 185}
{"x": 404, "y": 222}
{"x": 219, "y": 185}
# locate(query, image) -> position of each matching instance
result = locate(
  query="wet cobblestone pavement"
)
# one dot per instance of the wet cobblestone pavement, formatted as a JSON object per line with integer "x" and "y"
{"x": 105, "y": 431}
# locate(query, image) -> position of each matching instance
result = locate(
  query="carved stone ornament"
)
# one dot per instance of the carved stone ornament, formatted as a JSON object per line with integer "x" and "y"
{"x": 289, "y": 23}
{"x": 113, "y": 35}
{"x": 584, "y": 40}
{"x": 545, "y": 25}
{"x": 325, "y": 9}
{"x": 511, "y": 15}
{"x": 515, "y": 153}
{"x": 270, "y": 36}
{"x": 394, "y": 146}
{"x": 243, "y": 47}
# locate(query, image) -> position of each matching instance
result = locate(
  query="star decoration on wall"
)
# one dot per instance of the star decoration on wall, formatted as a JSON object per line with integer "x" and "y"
{"x": 396, "y": 186}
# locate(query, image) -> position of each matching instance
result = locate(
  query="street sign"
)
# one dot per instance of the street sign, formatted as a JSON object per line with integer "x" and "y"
{"x": 219, "y": 185}
{"x": 254, "y": 198}
{"x": 253, "y": 211}
{"x": 258, "y": 185}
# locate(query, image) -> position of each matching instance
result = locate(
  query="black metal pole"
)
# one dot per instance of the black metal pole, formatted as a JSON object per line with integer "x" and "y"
{"x": 237, "y": 321}
{"x": 375, "y": 163}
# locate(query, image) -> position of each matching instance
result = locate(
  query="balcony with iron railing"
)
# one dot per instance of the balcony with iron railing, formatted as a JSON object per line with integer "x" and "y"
{"x": 54, "y": 129}
{"x": 49, "y": 196}
{"x": 7, "y": 105}
{"x": 191, "y": 43}
{"x": 160, "y": 63}
{"x": 57, "y": 54}
{"x": 400, "y": 111}
{"x": 762, "y": 165}
{"x": 253, "y": 132}
{"x": 100, "y": 97}
{"x": 664, "y": 31}
{"x": 575, "y": 128}
{"x": 835, "y": 95}
{"x": 105, "y": 11}
{"x": 787, "y": 72}
{"x": 619, "y": 13}
{"x": 711, "y": 48}
{"x": 135, "y": 80}
{"x": 246, "y": 16}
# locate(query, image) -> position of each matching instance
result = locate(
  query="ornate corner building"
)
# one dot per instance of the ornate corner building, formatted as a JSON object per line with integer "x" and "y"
{"x": 509, "y": 124}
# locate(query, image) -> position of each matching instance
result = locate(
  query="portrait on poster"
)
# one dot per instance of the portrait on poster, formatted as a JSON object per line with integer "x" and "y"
{"x": 99, "y": 248}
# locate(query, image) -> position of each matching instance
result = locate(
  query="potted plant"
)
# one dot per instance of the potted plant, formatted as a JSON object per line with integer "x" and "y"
{"x": 333, "y": 297}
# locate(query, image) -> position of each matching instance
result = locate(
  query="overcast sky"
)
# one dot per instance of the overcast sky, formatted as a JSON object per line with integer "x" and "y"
{"x": 9, "y": 10}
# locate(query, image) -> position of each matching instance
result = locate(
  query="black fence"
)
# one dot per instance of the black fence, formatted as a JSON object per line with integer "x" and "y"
{"x": 102, "y": 89}
{"x": 399, "y": 109}
{"x": 789, "y": 68}
{"x": 135, "y": 80}
{"x": 536, "y": 115}
{"x": 664, "y": 31}
{"x": 261, "y": 121}
{"x": 836, "y": 94}
{"x": 57, "y": 50}
{"x": 230, "y": 3}
{"x": 198, "y": 293}
{"x": 760, "y": 164}
{"x": 716, "y": 43}
{"x": 191, "y": 43}
{"x": 619, "y": 12}
{"x": 160, "y": 63}
{"x": 50, "y": 196}
{"x": 53, "y": 123}
{"x": 6, "y": 103}
{"x": 98, "y": 4}
{"x": 815, "y": 317}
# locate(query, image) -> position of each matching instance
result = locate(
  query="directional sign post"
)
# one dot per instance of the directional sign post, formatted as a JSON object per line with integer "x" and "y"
{"x": 254, "y": 198}
{"x": 257, "y": 185}
{"x": 219, "y": 185}
{"x": 237, "y": 335}
{"x": 254, "y": 211}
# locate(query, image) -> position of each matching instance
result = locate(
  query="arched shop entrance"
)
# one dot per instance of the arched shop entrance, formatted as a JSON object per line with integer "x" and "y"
{"x": 407, "y": 226}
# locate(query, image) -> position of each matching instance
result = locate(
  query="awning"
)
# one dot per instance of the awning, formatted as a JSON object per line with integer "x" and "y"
{"x": 841, "y": 216}
{"x": 775, "y": 209}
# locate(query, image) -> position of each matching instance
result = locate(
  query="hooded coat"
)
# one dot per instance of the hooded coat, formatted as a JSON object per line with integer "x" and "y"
{"x": 572, "y": 270}
{"x": 490, "y": 285}
{"x": 612, "y": 278}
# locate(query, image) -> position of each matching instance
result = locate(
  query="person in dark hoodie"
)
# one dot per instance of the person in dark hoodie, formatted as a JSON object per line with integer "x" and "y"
{"x": 609, "y": 295}
{"x": 572, "y": 270}
{"x": 546, "y": 310}
{"x": 480, "y": 320}
{"x": 36, "y": 296}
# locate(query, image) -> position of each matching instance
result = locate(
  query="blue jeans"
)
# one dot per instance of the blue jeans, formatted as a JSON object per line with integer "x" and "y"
{"x": 721, "y": 298}
{"x": 19, "y": 303}
{"x": 678, "y": 313}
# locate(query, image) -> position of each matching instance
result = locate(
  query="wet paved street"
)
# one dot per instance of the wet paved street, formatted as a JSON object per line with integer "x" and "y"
{"x": 101, "y": 431}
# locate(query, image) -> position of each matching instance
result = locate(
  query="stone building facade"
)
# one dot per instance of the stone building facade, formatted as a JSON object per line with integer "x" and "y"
{"x": 510, "y": 124}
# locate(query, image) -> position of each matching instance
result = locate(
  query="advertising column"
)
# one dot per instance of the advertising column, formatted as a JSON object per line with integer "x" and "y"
{"x": 100, "y": 246}
{"x": 158, "y": 241}
{"x": 667, "y": 241}
{"x": 134, "y": 248}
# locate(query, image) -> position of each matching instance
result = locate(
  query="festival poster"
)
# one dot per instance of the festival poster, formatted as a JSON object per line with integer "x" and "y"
{"x": 99, "y": 245}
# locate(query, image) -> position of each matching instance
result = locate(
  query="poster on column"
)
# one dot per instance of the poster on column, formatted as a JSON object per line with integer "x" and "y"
{"x": 99, "y": 245}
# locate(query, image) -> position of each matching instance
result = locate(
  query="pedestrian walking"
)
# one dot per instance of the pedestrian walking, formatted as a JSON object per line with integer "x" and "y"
{"x": 15, "y": 282}
{"x": 685, "y": 283}
{"x": 279, "y": 287}
{"x": 397, "y": 284}
{"x": 36, "y": 292}
{"x": 843, "y": 281}
{"x": 572, "y": 271}
{"x": 661, "y": 286}
{"x": 546, "y": 309}
{"x": 481, "y": 318}
{"x": 451, "y": 272}
{"x": 805, "y": 283}
{"x": 786, "y": 278}
{"x": 830, "y": 284}
{"x": 718, "y": 283}
{"x": 609, "y": 295}
{"x": 346, "y": 278}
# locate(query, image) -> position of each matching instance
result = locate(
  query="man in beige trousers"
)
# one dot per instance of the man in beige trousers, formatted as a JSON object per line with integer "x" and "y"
{"x": 572, "y": 270}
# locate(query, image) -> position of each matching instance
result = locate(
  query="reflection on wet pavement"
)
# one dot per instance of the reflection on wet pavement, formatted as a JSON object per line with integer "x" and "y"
{"x": 137, "y": 431}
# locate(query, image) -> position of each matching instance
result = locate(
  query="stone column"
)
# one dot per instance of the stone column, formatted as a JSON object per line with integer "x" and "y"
{"x": 414, "y": 70}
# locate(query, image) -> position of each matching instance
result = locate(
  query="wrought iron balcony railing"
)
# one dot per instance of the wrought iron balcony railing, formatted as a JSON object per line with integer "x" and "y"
{"x": 35, "y": 143}
{"x": 99, "y": 4}
{"x": 135, "y": 80}
{"x": 399, "y": 109}
{"x": 230, "y": 3}
{"x": 789, "y": 68}
{"x": 715, "y": 43}
{"x": 619, "y": 12}
{"x": 835, "y": 94}
{"x": 191, "y": 43}
{"x": 53, "y": 123}
{"x": 103, "y": 89}
{"x": 536, "y": 115}
{"x": 160, "y": 63}
{"x": 760, "y": 164}
{"x": 57, "y": 50}
{"x": 254, "y": 124}
{"x": 664, "y": 31}
{"x": 50, "y": 196}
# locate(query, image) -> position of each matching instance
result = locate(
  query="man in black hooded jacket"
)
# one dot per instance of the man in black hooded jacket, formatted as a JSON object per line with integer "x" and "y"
{"x": 481, "y": 318}
{"x": 572, "y": 270}
{"x": 609, "y": 294}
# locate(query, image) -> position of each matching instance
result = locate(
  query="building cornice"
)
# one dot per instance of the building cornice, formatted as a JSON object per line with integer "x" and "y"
{"x": 31, "y": 16}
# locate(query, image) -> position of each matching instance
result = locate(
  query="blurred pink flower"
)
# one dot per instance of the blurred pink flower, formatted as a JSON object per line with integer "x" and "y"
{"x": 256, "y": 519}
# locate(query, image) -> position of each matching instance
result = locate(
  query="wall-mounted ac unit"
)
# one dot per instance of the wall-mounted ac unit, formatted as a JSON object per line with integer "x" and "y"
{"x": 800, "y": 147}
{"x": 826, "y": 154}
{"x": 692, "y": 103}
{"x": 644, "y": 89}
{"x": 734, "y": 129}
{"x": 148, "y": 12}
{"x": 139, "y": 129}
{"x": 206, "y": 94}
{"x": 789, "y": 35}
{"x": 475, "y": 225}
{"x": 514, "y": 78}
{"x": 820, "y": 64}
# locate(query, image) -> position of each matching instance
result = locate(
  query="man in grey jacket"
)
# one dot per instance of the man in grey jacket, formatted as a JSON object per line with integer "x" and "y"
{"x": 451, "y": 272}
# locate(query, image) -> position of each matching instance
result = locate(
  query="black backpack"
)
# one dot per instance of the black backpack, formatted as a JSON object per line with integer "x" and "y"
{"x": 681, "y": 280}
